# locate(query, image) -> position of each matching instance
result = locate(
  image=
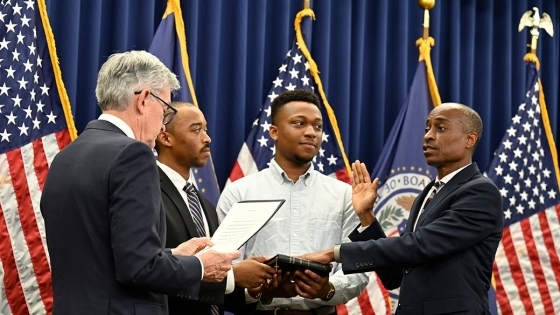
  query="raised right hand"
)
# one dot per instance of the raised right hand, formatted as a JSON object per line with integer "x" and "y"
{"x": 364, "y": 193}
{"x": 216, "y": 265}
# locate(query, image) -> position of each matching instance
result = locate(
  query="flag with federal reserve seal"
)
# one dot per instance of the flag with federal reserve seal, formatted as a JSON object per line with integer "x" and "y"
{"x": 402, "y": 169}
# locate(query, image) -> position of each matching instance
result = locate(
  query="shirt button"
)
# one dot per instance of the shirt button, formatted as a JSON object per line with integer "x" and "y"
{"x": 295, "y": 234}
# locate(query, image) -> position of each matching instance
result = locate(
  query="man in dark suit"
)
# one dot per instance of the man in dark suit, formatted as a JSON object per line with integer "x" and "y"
{"x": 443, "y": 260}
{"x": 185, "y": 144}
{"x": 101, "y": 203}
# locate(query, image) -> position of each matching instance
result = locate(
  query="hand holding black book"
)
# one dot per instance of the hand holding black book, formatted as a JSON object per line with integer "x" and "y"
{"x": 289, "y": 263}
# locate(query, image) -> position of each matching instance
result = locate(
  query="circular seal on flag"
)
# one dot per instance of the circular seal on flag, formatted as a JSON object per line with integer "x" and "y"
{"x": 395, "y": 200}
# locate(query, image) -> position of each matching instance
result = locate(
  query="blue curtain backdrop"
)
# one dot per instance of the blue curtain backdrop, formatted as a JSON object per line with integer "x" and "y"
{"x": 365, "y": 51}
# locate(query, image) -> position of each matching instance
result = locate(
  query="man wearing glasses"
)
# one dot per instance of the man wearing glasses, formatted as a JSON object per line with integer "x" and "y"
{"x": 101, "y": 203}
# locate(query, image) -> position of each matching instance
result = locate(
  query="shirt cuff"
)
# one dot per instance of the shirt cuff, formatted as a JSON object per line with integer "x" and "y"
{"x": 249, "y": 299}
{"x": 362, "y": 228}
{"x": 336, "y": 250}
{"x": 202, "y": 266}
{"x": 230, "y": 282}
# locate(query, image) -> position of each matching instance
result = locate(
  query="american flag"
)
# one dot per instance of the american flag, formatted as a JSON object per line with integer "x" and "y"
{"x": 34, "y": 111}
{"x": 525, "y": 169}
{"x": 258, "y": 150}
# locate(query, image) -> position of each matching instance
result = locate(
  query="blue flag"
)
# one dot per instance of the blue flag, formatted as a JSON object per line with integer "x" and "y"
{"x": 402, "y": 169}
{"x": 170, "y": 46}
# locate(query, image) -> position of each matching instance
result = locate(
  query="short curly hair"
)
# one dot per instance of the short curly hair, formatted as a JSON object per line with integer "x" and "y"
{"x": 292, "y": 96}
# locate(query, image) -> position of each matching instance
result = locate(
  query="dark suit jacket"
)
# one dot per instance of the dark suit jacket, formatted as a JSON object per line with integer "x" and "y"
{"x": 180, "y": 228}
{"x": 105, "y": 227}
{"x": 445, "y": 265}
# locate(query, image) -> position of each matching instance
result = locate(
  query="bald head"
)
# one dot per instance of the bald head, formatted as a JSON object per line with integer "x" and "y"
{"x": 452, "y": 133}
{"x": 170, "y": 127}
{"x": 185, "y": 142}
{"x": 469, "y": 118}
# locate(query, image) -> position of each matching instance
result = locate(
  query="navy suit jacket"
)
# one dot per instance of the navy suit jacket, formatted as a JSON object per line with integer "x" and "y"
{"x": 445, "y": 265}
{"x": 181, "y": 228}
{"x": 105, "y": 228}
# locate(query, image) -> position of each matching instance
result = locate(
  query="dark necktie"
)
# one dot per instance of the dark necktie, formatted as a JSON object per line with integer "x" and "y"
{"x": 435, "y": 188}
{"x": 196, "y": 213}
{"x": 434, "y": 191}
{"x": 194, "y": 208}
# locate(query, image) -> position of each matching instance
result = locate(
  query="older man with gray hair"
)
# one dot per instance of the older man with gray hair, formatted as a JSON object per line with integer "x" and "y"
{"x": 101, "y": 202}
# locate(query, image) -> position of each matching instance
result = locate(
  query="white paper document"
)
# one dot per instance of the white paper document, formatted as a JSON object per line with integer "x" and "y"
{"x": 243, "y": 220}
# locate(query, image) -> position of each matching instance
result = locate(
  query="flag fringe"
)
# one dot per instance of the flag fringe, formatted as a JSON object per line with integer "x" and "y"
{"x": 62, "y": 94}
{"x": 425, "y": 48}
{"x": 315, "y": 73}
{"x": 548, "y": 131}
{"x": 532, "y": 57}
{"x": 174, "y": 6}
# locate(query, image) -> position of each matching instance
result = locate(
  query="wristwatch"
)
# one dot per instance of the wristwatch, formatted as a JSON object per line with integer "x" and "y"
{"x": 330, "y": 294}
{"x": 256, "y": 297}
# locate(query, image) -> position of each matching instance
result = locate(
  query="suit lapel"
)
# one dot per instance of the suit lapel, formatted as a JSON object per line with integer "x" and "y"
{"x": 415, "y": 210}
{"x": 457, "y": 180}
{"x": 170, "y": 190}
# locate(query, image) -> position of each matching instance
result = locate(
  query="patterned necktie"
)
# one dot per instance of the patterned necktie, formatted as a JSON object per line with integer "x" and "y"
{"x": 194, "y": 209}
{"x": 196, "y": 213}
{"x": 435, "y": 188}
{"x": 434, "y": 191}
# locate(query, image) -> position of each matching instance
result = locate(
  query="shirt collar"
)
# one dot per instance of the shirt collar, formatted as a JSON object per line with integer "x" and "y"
{"x": 119, "y": 123}
{"x": 176, "y": 178}
{"x": 280, "y": 175}
{"x": 449, "y": 176}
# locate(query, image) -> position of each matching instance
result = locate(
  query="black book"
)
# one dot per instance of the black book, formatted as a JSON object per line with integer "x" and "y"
{"x": 289, "y": 263}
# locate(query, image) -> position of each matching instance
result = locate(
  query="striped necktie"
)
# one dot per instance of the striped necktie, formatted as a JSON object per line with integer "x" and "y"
{"x": 196, "y": 214}
{"x": 194, "y": 209}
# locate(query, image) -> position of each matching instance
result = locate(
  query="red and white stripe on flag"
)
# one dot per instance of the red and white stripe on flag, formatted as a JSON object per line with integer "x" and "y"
{"x": 24, "y": 260}
{"x": 35, "y": 124}
{"x": 527, "y": 265}
{"x": 374, "y": 300}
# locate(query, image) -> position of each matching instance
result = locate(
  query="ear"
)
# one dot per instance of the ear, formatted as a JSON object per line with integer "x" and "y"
{"x": 164, "y": 138}
{"x": 472, "y": 137}
{"x": 140, "y": 103}
{"x": 273, "y": 132}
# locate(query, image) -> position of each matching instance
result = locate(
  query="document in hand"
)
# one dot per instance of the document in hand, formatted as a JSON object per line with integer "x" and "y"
{"x": 243, "y": 220}
{"x": 289, "y": 263}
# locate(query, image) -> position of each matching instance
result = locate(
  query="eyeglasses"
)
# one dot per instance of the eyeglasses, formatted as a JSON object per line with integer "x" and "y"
{"x": 167, "y": 115}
